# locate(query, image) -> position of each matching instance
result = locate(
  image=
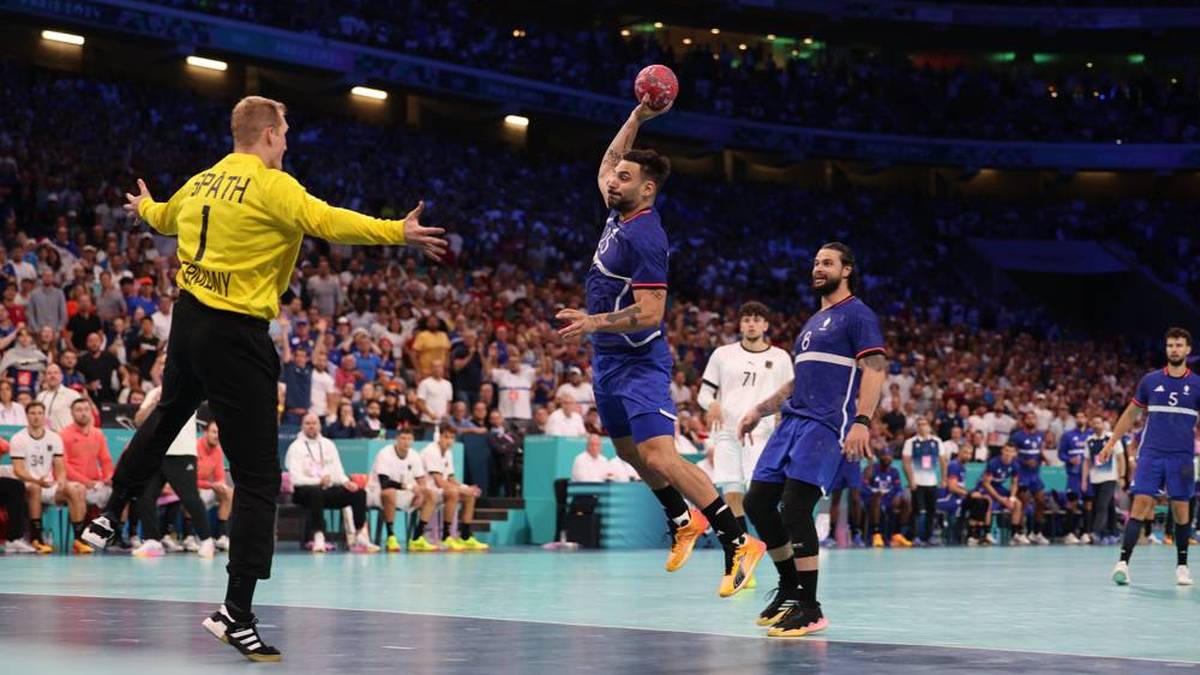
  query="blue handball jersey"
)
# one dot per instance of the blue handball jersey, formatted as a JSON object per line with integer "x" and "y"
{"x": 1171, "y": 405}
{"x": 1029, "y": 450}
{"x": 999, "y": 471}
{"x": 631, "y": 255}
{"x": 1074, "y": 444}
{"x": 826, "y": 363}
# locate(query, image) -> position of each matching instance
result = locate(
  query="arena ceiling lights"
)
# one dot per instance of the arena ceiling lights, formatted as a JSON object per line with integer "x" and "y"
{"x": 65, "y": 38}
{"x": 518, "y": 121}
{"x": 368, "y": 92}
{"x": 210, "y": 64}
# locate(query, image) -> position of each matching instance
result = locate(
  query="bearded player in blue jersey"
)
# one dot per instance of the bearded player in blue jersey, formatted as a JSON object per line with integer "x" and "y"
{"x": 626, "y": 299}
{"x": 1171, "y": 398}
{"x": 840, "y": 364}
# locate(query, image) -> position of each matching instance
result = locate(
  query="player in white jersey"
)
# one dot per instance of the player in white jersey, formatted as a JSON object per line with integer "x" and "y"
{"x": 737, "y": 377}
{"x": 398, "y": 481}
{"x": 37, "y": 457}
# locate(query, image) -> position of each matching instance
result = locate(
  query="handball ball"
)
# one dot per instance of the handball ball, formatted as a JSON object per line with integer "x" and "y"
{"x": 659, "y": 83}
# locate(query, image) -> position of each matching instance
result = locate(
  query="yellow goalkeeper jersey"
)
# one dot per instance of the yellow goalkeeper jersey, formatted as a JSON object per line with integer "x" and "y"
{"x": 240, "y": 225}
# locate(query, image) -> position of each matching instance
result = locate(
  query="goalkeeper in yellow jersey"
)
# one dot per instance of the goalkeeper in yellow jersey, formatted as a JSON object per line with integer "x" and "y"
{"x": 240, "y": 225}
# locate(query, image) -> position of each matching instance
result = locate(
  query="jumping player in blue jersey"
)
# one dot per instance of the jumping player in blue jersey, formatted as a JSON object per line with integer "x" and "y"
{"x": 1171, "y": 399}
{"x": 840, "y": 364}
{"x": 626, "y": 299}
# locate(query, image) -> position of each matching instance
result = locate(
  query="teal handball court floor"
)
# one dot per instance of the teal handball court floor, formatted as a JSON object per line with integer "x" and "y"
{"x": 531, "y": 611}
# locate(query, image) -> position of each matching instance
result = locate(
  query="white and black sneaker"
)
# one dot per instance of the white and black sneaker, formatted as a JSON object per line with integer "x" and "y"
{"x": 242, "y": 635}
{"x": 99, "y": 533}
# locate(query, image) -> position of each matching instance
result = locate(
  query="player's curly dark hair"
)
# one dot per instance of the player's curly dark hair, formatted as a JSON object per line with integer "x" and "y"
{"x": 848, "y": 260}
{"x": 1178, "y": 332}
{"x": 655, "y": 167}
{"x": 754, "y": 308}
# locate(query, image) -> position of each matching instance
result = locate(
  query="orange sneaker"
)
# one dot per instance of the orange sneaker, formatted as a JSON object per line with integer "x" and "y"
{"x": 899, "y": 540}
{"x": 80, "y": 548}
{"x": 877, "y": 540}
{"x": 684, "y": 540}
{"x": 741, "y": 572}
{"x": 41, "y": 546}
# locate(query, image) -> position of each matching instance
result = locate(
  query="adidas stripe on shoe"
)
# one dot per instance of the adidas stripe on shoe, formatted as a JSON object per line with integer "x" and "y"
{"x": 242, "y": 636}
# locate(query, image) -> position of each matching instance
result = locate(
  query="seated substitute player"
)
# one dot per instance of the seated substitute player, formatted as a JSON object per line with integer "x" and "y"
{"x": 37, "y": 458}
{"x": 839, "y": 368}
{"x": 1030, "y": 444}
{"x": 85, "y": 450}
{"x": 991, "y": 485}
{"x": 210, "y": 480}
{"x": 398, "y": 482}
{"x": 626, "y": 302}
{"x": 956, "y": 501}
{"x": 1171, "y": 399}
{"x": 1073, "y": 452}
{"x": 925, "y": 459}
{"x": 320, "y": 482}
{"x": 737, "y": 377}
{"x": 886, "y": 501}
{"x": 439, "y": 464}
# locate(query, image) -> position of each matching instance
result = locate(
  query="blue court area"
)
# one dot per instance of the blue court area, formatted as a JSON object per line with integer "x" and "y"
{"x": 522, "y": 610}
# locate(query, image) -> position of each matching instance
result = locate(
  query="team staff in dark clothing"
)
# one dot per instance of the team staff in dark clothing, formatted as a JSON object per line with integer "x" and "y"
{"x": 240, "y": 225}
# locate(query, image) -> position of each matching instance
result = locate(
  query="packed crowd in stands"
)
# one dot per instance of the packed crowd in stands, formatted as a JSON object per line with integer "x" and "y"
{"x": 828, "y": 88}
{"x": 379, "y": 342}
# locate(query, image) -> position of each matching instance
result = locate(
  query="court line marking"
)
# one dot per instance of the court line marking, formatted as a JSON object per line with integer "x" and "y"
{"x": 573, "y": 624}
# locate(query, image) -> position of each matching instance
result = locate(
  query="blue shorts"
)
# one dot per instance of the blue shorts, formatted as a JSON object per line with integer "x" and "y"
{"x": 1156, "y": 472}
{"x": 1032, "y": 482}
{"x": 1001, "y": 490}
{"x": 633, "y": 393}
{"x": 949, "y": 504}
{"x": 849, "y": 475}
{"x": 887, "y": 500}
{"x": 1074, "y": 485}
{"x": 801, "y": 449}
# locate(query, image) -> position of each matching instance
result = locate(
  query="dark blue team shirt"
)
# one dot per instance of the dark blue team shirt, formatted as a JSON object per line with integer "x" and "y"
{"x": 1074, "y": 444}
{"x": 957, "y": 471}
{"x": 1171, "y": 404}
{"x": 631, "y": 255}
{"x": 826, "y": 357}
{"x": 1029, "y": 451}
{"x": 884, "y": 481}
{"x": 999, "y": 471}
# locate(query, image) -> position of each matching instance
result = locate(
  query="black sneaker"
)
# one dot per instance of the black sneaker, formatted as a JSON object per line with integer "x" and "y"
{"x": 242, "y": 635}
{"x": 99, "y": 533}
{"x": 780, "y": 605}
{"x": 802, "y": 619}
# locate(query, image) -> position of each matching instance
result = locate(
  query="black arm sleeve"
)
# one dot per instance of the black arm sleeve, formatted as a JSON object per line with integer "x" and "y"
{"x": 386, "y": 482}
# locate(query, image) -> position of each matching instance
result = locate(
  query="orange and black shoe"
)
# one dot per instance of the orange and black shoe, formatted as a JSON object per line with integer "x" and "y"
{"x": 740, "y": 568}
{"x": 683, "y": 539}
{"x": 780, "y": 605}
{"x": 804, "y": 618}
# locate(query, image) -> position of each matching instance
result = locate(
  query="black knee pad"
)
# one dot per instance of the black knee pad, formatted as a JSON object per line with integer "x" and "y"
{"x": 799, "y": 500}
{"x": 762, "y": 507}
